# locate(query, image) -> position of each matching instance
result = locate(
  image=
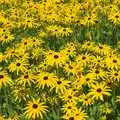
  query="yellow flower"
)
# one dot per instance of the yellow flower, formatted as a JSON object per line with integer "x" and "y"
{"x": 10, "y": 52}
{"x": 114, "y": 17}
{"x": 86, "y": 100}
{"x": 98, "y": 73}
{"x": 18, "y": 66}
{"x": 45, "y": 79}
{"x": 88, "y": 45}
{"x": 102, "y": 49}
{"x": 112, "y": 61}
{"x": 55, "y": 58}
{"x": 69, "y": 107}
{"x": 69, "y": 96}
{"x": 2, "y": 57}
{"x": 105, "y": 108}
{"x": 114, "y": 75}
{"x": 6, "y": 38}
{"x": 35, "y": 109}
{"x": 83, "y": 59}
{"x": 98, "y": 90}
{"x": 4, "y": 79}
{"x": 60, "y": 85}
{"x": 78, "y": 114}
{"x": 20, "y": 92}
{"x": 26, "y": 79}
{"x": 118, "y": 99}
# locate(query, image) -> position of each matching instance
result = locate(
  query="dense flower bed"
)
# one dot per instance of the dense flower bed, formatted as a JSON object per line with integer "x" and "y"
{"x": 59, "y": 60}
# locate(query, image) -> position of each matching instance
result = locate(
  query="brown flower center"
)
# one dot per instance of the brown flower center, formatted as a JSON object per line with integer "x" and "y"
{"x": 45, "y": 78}
{"x": 64, "y": 29}
{"x": 70, "y": 67}
{"x": 6, "y": 37}
{"x": 116, "y": 74}
{"x": 100, "y": 47}
{"x": 83, "y": 58}
{"x": 59, "y": 82}
{"x": 88, "y": 44}
{"x": 18, "y": 64}
{"x": 114, "y": 61}
{"x": 26, "y": 76}
{"x": 99, "y": 90}
{"x": 56, "y": 56}
{"x": 35, "y": 106}
{"x": 69, "y": 107}
{"x": 1, "y": 76}
{"x": 87, "y": 79}
{"x": 71, "y": 118}
{"x": 69, "y": 97}
{"x": 97, "y": 72}
{"x": 117, "y": 16}
{"x": 25, "y": 43}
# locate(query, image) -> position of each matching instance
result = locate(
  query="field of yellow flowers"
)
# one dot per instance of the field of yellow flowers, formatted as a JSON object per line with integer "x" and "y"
{"x": 59, "y": 60}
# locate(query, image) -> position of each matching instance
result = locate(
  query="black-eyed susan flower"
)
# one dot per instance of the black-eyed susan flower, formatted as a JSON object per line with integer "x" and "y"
{"x": 98, "y": 90}
{"x": 35, "y": 109}
{"x": 18, "y": 66}
{"x": 86, "y": 100}
{"x": 26, "y": 79}
{"x": 112, "y": 61}
{"x": 114, "y": 17}
{"x": 69, "y": 107}
{"x": 6, "y": 38}
{"x": 20, "y": 92}
{"x": 78, "y": 114}
{"x": 106, "y": 108}
{"x": 88, "y": 45}
{"x": 45, "y": 79}
{"x": 1, "y": 57}
{"x": 98, "y": 73}
{"x": 55, "y": 58}
{"x": 114, "y": 75}
{"x": 102, "y": 49}
{"x": 4, "y": 79}
{"x": 61, "y": 85}
{"x": 69, "y": 96}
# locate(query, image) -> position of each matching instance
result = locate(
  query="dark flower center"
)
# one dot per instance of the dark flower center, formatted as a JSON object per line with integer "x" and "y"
{"x": 88, "y": 44}
{"x": 114, "y": 61}
{"x": 71, "y": 118}
{"x": 18, "y": 64}
{"x": 56, "y": 56}
{"x": 70, "y": 67}
{"x": 64, "y": 29}
{"x": 86, "y": 99}
{"x": 97, "y": 72}
{"x": 98, "y": 60}
{"x": 69, "y": 97}
{"x": 99, "y": 90}
{"x": 83, "y": 58}
{"x": 25, "y": 43}
{"x": 26, "y": 76}
{"x": 35, "y": 106}
{"x": 89, "y": 18}
{"x": 69, "y": 107}
{"x": 100, "y": 47}
{"x": 45, "y": 78}
{"x": 87, "y": 79}
{"x": 117, "y": 16}
{"x": 1, "y": 76}
{"x": 59, "y": 82}
{"x": 116, "y": 74}
{"x": 6, "y": 37}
